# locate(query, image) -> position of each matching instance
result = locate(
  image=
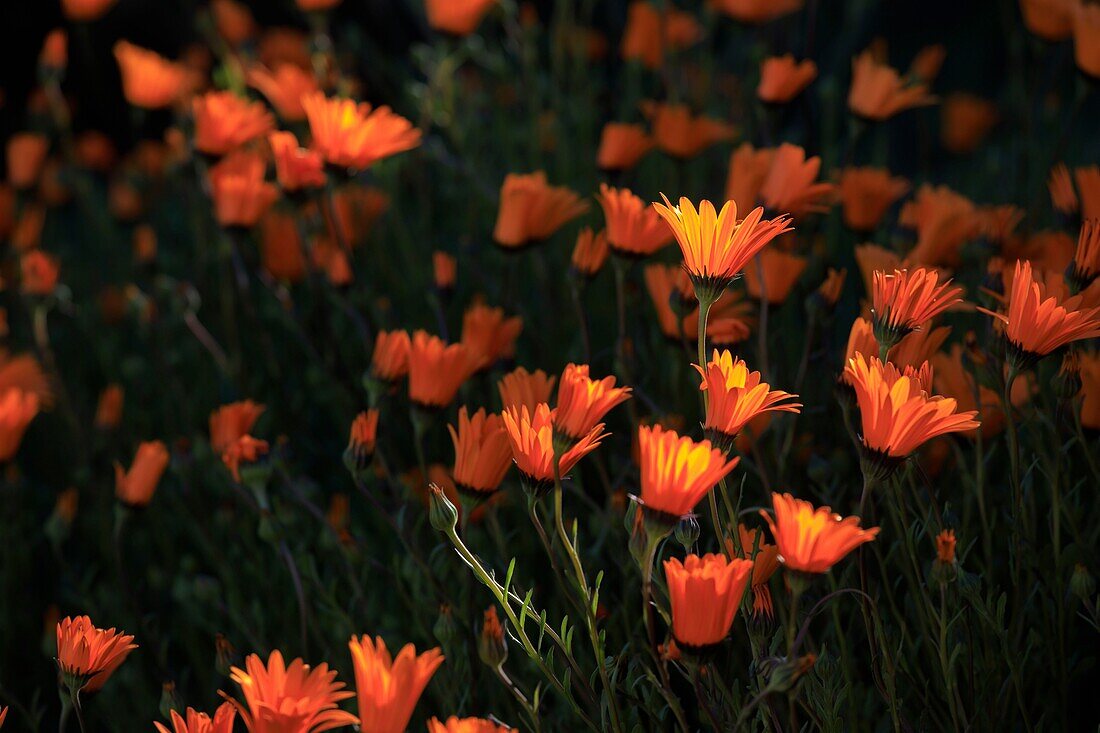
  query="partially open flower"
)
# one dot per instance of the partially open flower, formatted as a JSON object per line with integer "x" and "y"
{"x": 532, "y": 439}
{"x": 653, "y": 31}
{"x": 1086, "y": 258}
{"x": 521, "y": 388}
{"x": 583, "y": 401}
{"x": 812, "y": 540}
{"x": 361, "y": 441}
{"x": 466, "y": 725}
{"x": 88, "y": 656}
{"x": 355, "y": 136}
{"x": 38, "y": 273}
{"x": 966, "y": 120}
{"x": 444, "y": 271}
{"x": 26, "y": 152}
{"x": 944, "y": 221}
{"x": 704, "y": 594}
{"x": 680, "y": 133}
{"x": 437, "y": 370}
{"x": 284, "y": 87}
{"x": 590, "y": 252}
{"x": 135, "y": 487}
{"x": 531, "y": 210}
{"x": 633, "y": 228}
{"x": 782, "y": 78}
{"x": 748, "y": 169}
{"x": 224, "y": 122}
{"x": 388, "y": 688}
{"x": 230, "y": 422}
{"x": 482, "y": 453}
{"x": 622, "y": 145}
{"x": 735, "y": 396}
{"x": 196, "y": 722}
{"x": 390, "y": 359}
{"x": 245, "y": 450}
{"x": 878, "y": 91}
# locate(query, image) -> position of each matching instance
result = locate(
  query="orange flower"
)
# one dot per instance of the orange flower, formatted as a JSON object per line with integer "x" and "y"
{"x": 224, "y": 122}
{"x": 531, "y": 436}
{"x": 789, "y": 185}
{"x": 716, "y": 247}
{"x": 1090, "y": 389}
{"x": 390, "y": 359}
{"x": 633, "y": 229}
{"x": 705, "y": 593}
{"x": 197, "y": 722}
{"x": 87, "y": 656}
{"x": 813, "y": 540}
{"x": 444, "y": 270}
{"x": 234, "y": 21}
{"x": 521, "y": 388}
{"x": 944, "y": 220}
{"x": 1062, "y": 195}
{"x": 317, "y": 6}
{"x": 437, "y": 370}
{"x": 289, "y": 699}
{"x": 244, "y": 450}
{"x": 357, "y": 209}
{"x": 281, "y": 246}
{"x": 583, "y": 401}
{"x": 1086, "y": 38}
{"x": 488, "y": 335}
{"x": 230, "y": 422}
{"x": 904, "y": 301}
{"x": 240, "y": 193}
{"x": 1088, "y": 187}
{"x": 782, "y": 78}
{"x": 457, "y": 17}
{"x": 363, "y": 434}
{"x": 1036, "y": 324}
{"x": 756, "y": 11}
{"x": 1086, "y": 258}
{"x": 295, "y": 167}
{"x": 781, "y": 271}
{"x": 284, "y": 87}
{"x": 17, "y": 409}
{"x": 622, "y": 145}
{"x": 482, "y": 453}
{"x": 55, "y": 50}
{"x": 676, "y": 473}
{"x": 1051, "y": 20}
{"x": 466, "y": 725}
{"x": 85, "y": 11}
{"x": 590, "y": 252}
{"x": 108, "y": 411}
{"x": 945, "y": 547}
{"x": 39, "y": 272}
{"x": 965, "y": 121}
{"x": 650, "y": 33}
{"x": 765, "y": 561}
{"x": 26, "y": 156}
{"x": 736, "y": 396}
{"x": 878, "y": 92}
{"x": 135, "y": 487}
{"x": 3, "y": 715}
{"x": 829, "y": 291}
{"x": 680, "y": 133}
{"x": 866, "y": 194}
{"x": 531, "y": 209}
{"x": 356, "y": 136}
{"x": 897, "y": 413}
{"x": 389, "y": 688}
{"x": 665, "y": 283}
{"x": 748, "y": 169}
{"x": 927, "y": 63}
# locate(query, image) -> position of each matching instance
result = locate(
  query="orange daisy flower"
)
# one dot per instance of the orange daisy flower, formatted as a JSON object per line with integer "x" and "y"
{"x": 17, "y": 409}
{"x": 676, "y": 472}
{"x": 355, "y": 136}
{"x": 244, "y": 450}
{"x": 466, "y": 725}
{"x": 26, "y": 157}
{"x": 388, "y": 688}
{"x": 197, "y": 722}
{"x": 681, "y": 134}
{"x": 224, "y": 122}
{"x": 748, "y": 169}
{"x": 878, "y": 92}
{"x": 866, "y": 194}
{"x": 281, "y": 254}
{"x": 108, "y": 410}
{"x": 830, "y": 289}
{"x": 944, "y": 221}
{"x": 88, "y": 656}
{"x": 622, "y": 145}
{"x": 390, "y": 358}
{"x": 230, "y": 422}
{"x": 782, "y": 78}
{"x": 149, "y": 80}
{"x": 780, "y": 271}
{"x": 295, "y": 698}
{"x": 363, "y": 435}
{"x": 583, "y": 401}
{"x": 1086, "y": 258}
{"x": 789, "y": 185}
{"x": 907, "y": 299}
{"x": 488, "y": 335}
{"x": 437, "y": 370}
{"x": 521, "y": 388}
{"x": 652, "y": 32}
{"x": 457, "y": 17}
{"x": 135, "y": 488}
{"x": 590, "y": 252}
{"x": 813, "y": 540}
{"x": 531, "y": 210}
{"x": 965, "y": 121}
{"x": 284, "y": 87}
{"x": 704, "y": 594}
{"x": 532, "y": 439}
{"x": 240, "y": 193}
{"x": 633, "y": 229}
{"x": 1086, "y": 38}
{"x": 736, "y": 396}
{"x": 482, "y": 453}
{"x": 295, "y": 167}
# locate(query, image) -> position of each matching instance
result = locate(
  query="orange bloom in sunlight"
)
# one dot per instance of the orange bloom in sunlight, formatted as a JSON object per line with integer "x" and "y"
{"x": 230, "y": 422}
{"x": 135, "y": 487}
{"x": 705, "y": 593}
{"x": 351, "y": 135}
{"x": 531, "y": 435}
{"x": 84, "y": 11}
{"x": 26, "y": 155}
{"x": 482, "y": 452}
{"x": 224, "y": 121}
{"x": 295, "y": 167}
{"x": 466, "y": 725}
{"x": 756, "y": 11}
{"x": 748, "y": 169}
{"x": 896, "y": 411}
{"x": 1090, "y": 389}
{"x": 583, "y": 401}
{"x": 240, "y": 193}
{"x": 622, "y": 145}
{"x": 284, "y": 87}
{"x": 736, "y": 396}
{"x": 1086, "y": 38}
{"x": 17, "y": 409}
{"x": 681, "y": 134}
{"x": 901, "y": 302}
{"x": 488, "y": 335}
{"x": 633, "y": 228}
{"x": 878, "y": 91}
{"x": 1051, "y": 20}
{"x": 521, "y": 388}
{"x": 388, "y": 688}
{"x": 716, "y": 246}
{"x": 88, "y": 656}
{"x": 1036, "y": 324}
{"x": 38, "y": 272}
{"x": 782, "y": 78}
{"x": 281, "y": 252}
{"x": 789, "y": 185}
{"x": 590, "y": 252}
{"x": 531, "y": 210}
{"x": 294, "y": 699}
{"x": 437, "y": 369}
{"x": 866, "y": 194}
{"x": 197, "y": 722}
{"x": 965, "y": 121}
{"x": 1062, "y": 195}
{"x": 390, "y": 359}
{"x": 1086, "y": 258}
{"x": 651, "y": 32}
{"x": 813, "y": 540}
{"x": 677, "y": 472}
{"x": 457, "y": 17}
{"x": 781, "y": 271}
{"x": 149, "y": 80}
{"x": 244, "y": 450}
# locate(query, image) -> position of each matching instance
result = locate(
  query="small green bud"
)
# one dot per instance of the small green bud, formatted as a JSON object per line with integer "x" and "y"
{"x": 441, "y": 512}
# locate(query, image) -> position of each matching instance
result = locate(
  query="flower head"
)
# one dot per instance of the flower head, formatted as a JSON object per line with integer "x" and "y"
{"x": 444, "y": 270}
{"x": 633, "y": 228}
{"x": 295, "y": 167}
{"x": 196, "y": 722}
{"x": 682, "y": 134}
{"x": 531, "y": 210}
{"x": 878, "y": 92}
{"x": 531, "y": 435}
{"x": 866, "y": 194}
{"x": 775, "y": 275}
{"x": 590, "y": 252}
{"x": 756, "y": 11}
{"x": 1051, "y": 20}
{"x": 789, "y": 185}
{"x": 230, "y": 422}
{"x": 944, "y": 221}
{"x": 736, "y": 396}
{"x": 1086, "y": 38}
{"x": 390, "y": 359}
{"x": 482, "y": 452}
{"x": 224, "y": 122}
{"x": 457, "y": 17}
{"x": 355, "y": 136}
{"x": 651, "y": 32}
{"x": 85, "y": 11}
{"x": 945, "y": 547}
{"x": 1086, "y": 259}
{"x": 747, "y": 171}
{"x": 241, "y": 195}
{"x": 705, "y": 593}
{"x": 488, "y": 335}
{"x": 88, "y": 656}
{"x": 136, "y": 486}
{"x": 965, "y": 121}
{"x": 466, "y": 725}
{"x": 437, "y": 369}
{"x": 149, "y": 80}
{"x": 782, "y": 78}
{"x": 521, "y": 388}
{"x": 17, "y": 409}
{"x": 364, "y": 433}
{"x": 284, "y": 87}
{"x": 244, "y": 450}
{"x": 388, "y": 688}
{"x": 622, "y": 145}
{"x": 289, "y": 699}
{"x": 812, "y": 540}
{"x": 677, "y": 472}
{"x": 1062, "y": 195}
{"x": 583, "y": 401}
{"x": 905, "y": 300}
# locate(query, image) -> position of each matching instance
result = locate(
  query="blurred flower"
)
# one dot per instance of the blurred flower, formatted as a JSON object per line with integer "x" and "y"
{"x": 55, "y": 50}
{"x": 26, "y": 152}
{"x": 866, "y": 194}
{"x": 1088, "y": 188}
{"x": 521, "y": 388}
{"x": 230, "y": 422}
{"x": 457, "y": 17}
{"x": 945, "y": 547}
{"x": 149, "y": 80}
{"x": 1086, "y": 257}
{"x": 748, "y": 169}
{"x": 901, "y": 302}
{"x": 437, "y": 369}
{"x": 998, "y": 223}
{"x": 108, "y": 411}
{"x": 782, "y": 78}
{"x": 622, "y": 145}
{"x": 443, "y": 270}
{"x": 356, "y": 136}
{"x": 88, "y": 656}
{"x": 681, "y": 134}
{"x": 872, "y": 258}
{"x": 830, "y": 289}
{"x": 27, "y": 232}
{"x": 756, "y": 11}
{"x": 466, "y": 725}
{"x": 952, "y": 379}
{"x": 634, "y": 229}
{"x": 488, "y": 336}
{"x": 144, "y": 244}
{"x": 291, "y": 699}
{"x": 196, "y": 722}
{"x": 390, "y": 359}
{"x": 677, "y": 472}
{"x": 233, "y": 20}
{"x": 284, "y": 87}
{"x": 582, "y": 401}
{"x": 295, "y": 167}
{"x": 704, "y": 594}
{"x": 667, "y": 284}
{"x": 1051, "y": 20}
{"x": 531, "y": 436}
{"x": 1090, "y": 389}
{"x": 590, "y": 252}
{"x": 652, "y": 32}
{"x": 17, "y": 409}
{"x": 244, "y": 450}
{"x": 224, "y": 122}
{"x": 85, "y": 11}
{"x": 240, "y": 193}
{"x": 944, "y": 221}
{"x": 531, "y": 210}
{"x": 966, "y": 119}
{"x": 1062, "y": 195}
{"x": 357, "y": 209}
{"x": 736, "y": 396}
{"x": 927, "y": 63}
{"x": 1086, "y": 38}
{"x": 135, "y": 487}
{"x": 813, "y": 540}
{"x": 363, "y": 435}
{"x": 3, "y": 715}
{"x": 38, "y": 272}
{"x": 482, "y": 453}
{"x": 878, "y": 92}
{"x": 314, "y": 6}
{"x": 281, "y": 253}
{"x": 781, "y": 271}
{"x": 388, "y": 688}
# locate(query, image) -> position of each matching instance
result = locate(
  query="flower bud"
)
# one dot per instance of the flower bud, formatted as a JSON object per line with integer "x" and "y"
{"x": 1082, "y": 584}
{"x": 223, "y": 654}
{"x": 445, "y": 629}
{"x": 441, "y": 512}
{"x": 169, "y": 701}
{"x": 491, "y": 644}
{"x": 688, "y": 531}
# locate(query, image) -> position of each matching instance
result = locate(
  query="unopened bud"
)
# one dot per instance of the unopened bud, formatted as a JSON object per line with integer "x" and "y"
{"x": 441, "y": 511}
{"x": 492, "y": 646}
{"x": 1082, "y": 584}
{"x": 688, "y": 531}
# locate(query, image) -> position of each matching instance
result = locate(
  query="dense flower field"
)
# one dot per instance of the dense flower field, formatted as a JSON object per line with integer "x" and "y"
{"x": 635, "y": 365}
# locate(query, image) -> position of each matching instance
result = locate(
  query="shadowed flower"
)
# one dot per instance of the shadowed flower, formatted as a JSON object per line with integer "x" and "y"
{"x": 295, "y": 167}
{"x": 878, "y": 91}
{"x": 782, "y": 78}
{"x": 55, "y": 50}
{"x": 736, "y": 396}
{"x": 652, "y": 32}
{"x": 357, "y": 208}
{"x": 1062, "y": 195}
{"x": 952, "y": 379}
{"x": 363, "y": 435}
{"x": 901, "y": 302}
{"x": 765, "y": 561}
{"x": 390, "y": 359}
{"x": 17, "y": 409}
{"x": 482, "y": 453}
{"x": 531, "y": 436}
{"x": 289, "y": 699}
{"x": 244, "y": 450}
{"x": 224, "y": 122}
{"x": 590, "y": 252}
{"x": 317, "y": 6}
{"x": 38, "y": 273}
{"x": 945, "y": 547}
{"x": 1051, "y": 20}
{"x": 240, "y": 193}
{"x": 830, "y": 289}
{"x": 230, "y": 422}
{"x": 531, "y": 210}
{"x": 85, "y": 11}
{"x": 789, "y": 185}
{"x": 284, "y": 87}
{"x": 677, "y": 472}
{"x": 281, "y": 254}
{"x": 135, "y": 487}
{"x": 965, "y": 121}
{"x": 681, "y": 134}
{"x": 866, "y": 194}
{"x": 444, "y": 270}
{"x": 88, "y": 656}
{"x": 196, "y": 722}
{"x": 437, "y": 369}
{"x": 756, "y": 11}
{"x": 1090, "y": 389}
{"x": 26, "y": 152}
{"x": 1088, "y": 188}
{"x": 466, "y": 725}
{"x": 813, "y": 540}
{"x": 622, "y": 145}
{"x": 108, "y": 411}
{"x": 488, "y": 335}
{"x": 387, "y": 687}
{"x": 781, "y": 271}
{"x": 1086, "y": 257}
{"x": 748, "y": 169}
{"x": 704, "y": 594}
{"x": 1086, "y": 38}
{"x": 457, "y": 17}
{"x": 521, "y": 388}
{"x": 3, "y": 715}
{"x": 355, "y": 136}
{"x": 583, "y": 401}
{"x": 944, "y": 221}
{"x": 633, "y": 228}
{"x": 927, "y": 63}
